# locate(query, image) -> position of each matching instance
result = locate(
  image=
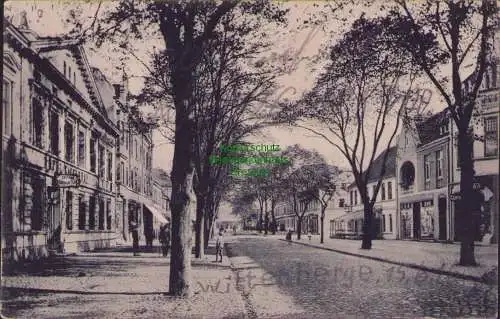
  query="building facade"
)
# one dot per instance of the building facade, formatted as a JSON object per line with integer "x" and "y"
{"x": 73, "y": 174}
{"x": 59, "y": 142}
{"x": 350, "y": 224}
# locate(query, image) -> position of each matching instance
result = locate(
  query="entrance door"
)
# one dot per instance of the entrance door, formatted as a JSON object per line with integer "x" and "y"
{"x": 416, "y": 220}
{"x": 54, "y": 222}
{"x": 442, "y": 218}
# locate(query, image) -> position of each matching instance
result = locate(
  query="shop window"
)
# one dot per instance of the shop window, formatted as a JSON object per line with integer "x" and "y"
{"x": 108, "y": 215}
{"x": 81, "y": 212}
{"x": 101, "y": 214}
{"x": 92, "y": 213}
{"x": 491, "y": 136}
{"x": 69, "y": 210}
{"x": 54, "y": 132}
{"x": 69, "y": 140}
{"x": 7, "y": 107}
{"x": 38, "y": 123}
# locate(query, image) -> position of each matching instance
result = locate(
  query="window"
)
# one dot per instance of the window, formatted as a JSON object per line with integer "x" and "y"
{"x": 81, "y": 212}
{"x": 69, "y": 73}
{"x": 341, "y": 202}
{"x": 389, "y": 190}
{"x": 7, "y": 107}
{"x": 101, "y": 214}
{"x": 108, "y": 215}
{"x": 93, "y": 142}
{"x": 355, "y": 197}
{"x": 136, "y": 150}
{"x": 491, "y": 136}
{"x": 390, "y": 223}
{"x": 383, "y": 191}
{"x": 69, "y": 210}
{"x": 81, "y": 148}
{"x": 64, "y": 67}
{"x": 427, "y": 170}
{"x": 373, "y": 190}
{"x": 383, "y": 223}
{"x": 439, "y": 169}
{"x": 74, "y": 78}
{"x": 38, "y": 203}
{"x": 69, "y": 140}
{"x": 110, "y": 166}
{"x": 54, "y": 132}
{"x": 102, "y": 165}
{"x": 352, "y": 197}
{"x": 38, "y": 123}
{"x": 91, "y": 212}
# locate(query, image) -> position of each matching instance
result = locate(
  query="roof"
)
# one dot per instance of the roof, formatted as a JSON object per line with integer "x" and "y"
{"x": 377, "y": 165}
{"x": 429, "y": 129}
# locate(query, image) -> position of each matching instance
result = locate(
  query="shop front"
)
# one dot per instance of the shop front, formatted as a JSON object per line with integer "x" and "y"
{"x": 486, "y": 207}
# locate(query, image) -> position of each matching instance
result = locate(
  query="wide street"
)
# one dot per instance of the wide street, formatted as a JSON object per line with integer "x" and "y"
{"x": 264, "y": 277}
{"x": 331, "y": 285}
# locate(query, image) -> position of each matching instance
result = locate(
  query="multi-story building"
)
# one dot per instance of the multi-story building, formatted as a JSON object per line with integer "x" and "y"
{"x": 59, "y": 141}
{"x": 429, "y": 173}
{"x": 350, "y": 224}
{"x": 423, "y": 178}
{"x": 74, "y": 172}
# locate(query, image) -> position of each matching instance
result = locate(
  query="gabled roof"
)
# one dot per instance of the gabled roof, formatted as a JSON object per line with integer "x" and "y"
{"x": 430, "y": 129}
{"x": 377, "y": 165}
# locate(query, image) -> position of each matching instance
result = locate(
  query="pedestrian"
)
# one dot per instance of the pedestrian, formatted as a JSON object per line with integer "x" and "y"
{"x": 134, "y": 229}
{"x": 165, "y": 239}
{"x": 219, "y": 245}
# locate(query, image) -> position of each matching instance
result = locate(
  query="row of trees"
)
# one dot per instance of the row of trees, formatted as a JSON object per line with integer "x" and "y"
{"x": 305, "y": 178}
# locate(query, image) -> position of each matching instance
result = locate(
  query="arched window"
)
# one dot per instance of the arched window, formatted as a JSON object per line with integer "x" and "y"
{"x": 407, "y": 175}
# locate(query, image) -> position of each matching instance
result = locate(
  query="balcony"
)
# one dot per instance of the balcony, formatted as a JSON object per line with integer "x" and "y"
{"x": 407, "y": 190}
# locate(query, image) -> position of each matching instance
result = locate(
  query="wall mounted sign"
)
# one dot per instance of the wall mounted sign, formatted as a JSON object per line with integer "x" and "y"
{"x": 67, "y": 180}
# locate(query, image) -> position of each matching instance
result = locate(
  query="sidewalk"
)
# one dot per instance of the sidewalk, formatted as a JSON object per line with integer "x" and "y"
{"x": 116, "y": 284}
{"x": 435, "y": 257}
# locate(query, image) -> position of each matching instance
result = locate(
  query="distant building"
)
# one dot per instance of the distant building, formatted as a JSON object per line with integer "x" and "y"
{"x": 350, "y": 225}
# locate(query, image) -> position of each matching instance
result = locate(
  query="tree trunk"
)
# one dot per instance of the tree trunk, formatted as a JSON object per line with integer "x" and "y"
{"x": 208, "y": 230}
{"x": 266, "y": 219}
{"x": 467, "y": 213}
{"x": 322, "y": 220}
{"x": 181, "y": 207}
{"x": 299, "y": 226}
{"x": 367, "y": 227}
{"x": 199, "y": 226}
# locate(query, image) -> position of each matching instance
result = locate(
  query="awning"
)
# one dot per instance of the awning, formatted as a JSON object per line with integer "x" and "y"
{"x": 157, "y": 213}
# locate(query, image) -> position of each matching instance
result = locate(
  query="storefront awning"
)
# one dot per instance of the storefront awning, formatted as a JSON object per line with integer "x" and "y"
{"x": 350, "y": 216}
{"x": 157, "y": 213}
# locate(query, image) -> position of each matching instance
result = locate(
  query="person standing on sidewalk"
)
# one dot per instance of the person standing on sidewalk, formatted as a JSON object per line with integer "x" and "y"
{"x": 165, "y": 239}
{"x": 219, "y": 245}
{"x": 134, "y": 229}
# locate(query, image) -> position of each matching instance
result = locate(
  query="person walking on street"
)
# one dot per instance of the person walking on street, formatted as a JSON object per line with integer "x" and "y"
{"x": 134, "y": 229}
{"x": 219, "y": 245}
{"x": 165, "y": 239}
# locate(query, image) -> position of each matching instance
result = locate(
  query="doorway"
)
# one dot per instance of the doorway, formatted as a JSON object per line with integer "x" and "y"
{"x": 416, "y": 220}
{"x": 442, "y": 218}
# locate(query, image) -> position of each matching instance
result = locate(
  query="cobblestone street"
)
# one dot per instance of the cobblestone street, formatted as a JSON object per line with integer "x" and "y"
{"x": 331, "y": 285}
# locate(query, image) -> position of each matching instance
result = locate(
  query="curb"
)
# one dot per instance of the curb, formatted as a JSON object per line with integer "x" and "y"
{"x": 409, "y": 265}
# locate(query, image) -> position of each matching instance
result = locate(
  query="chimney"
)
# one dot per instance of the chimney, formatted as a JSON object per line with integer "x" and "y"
{"x": 121, "y": 90}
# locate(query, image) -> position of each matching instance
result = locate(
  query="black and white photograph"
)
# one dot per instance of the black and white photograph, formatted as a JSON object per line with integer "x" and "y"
{"x": 248, "y": 159}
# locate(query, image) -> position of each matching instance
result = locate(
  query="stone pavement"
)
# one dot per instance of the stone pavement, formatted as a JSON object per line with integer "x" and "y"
{"x": 435, "y": 257}
{"x": 116, "y": 284}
